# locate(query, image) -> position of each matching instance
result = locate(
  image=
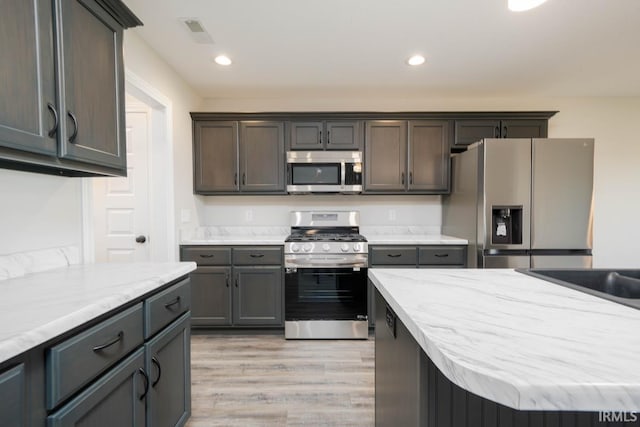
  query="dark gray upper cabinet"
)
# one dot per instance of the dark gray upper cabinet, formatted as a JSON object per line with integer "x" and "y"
{"x": 428, "y": 156}
{"x": 92, "y": 119}
{"x": 468, "y": 131}
{"x": 215, "y": 157}
{"x": 405, "y": 156}
{"x": 325, "y": 135}
{"x": 231, "y": 157}
{"x": 27, "y": 88}
{"x": 262, "y": 156}
{"x": 65, "y": 83}
{"x": 385, "y": 164}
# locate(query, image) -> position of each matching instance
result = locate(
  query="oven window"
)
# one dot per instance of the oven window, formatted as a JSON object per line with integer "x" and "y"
{"x": 325, "y": 294}
{"x": 315, "y": 173}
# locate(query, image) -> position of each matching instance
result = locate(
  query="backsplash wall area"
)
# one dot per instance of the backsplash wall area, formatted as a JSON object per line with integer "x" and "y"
{"x": 253, "y": 211}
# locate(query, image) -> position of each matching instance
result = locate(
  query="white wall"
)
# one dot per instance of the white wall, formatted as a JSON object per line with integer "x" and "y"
{"x": 274, "y": 210}
{"x": 38, "y": 211}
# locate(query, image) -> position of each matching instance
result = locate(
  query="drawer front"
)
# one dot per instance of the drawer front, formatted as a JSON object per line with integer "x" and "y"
{"x": 206, "y": 255}
{"x": 257, "y": 256}
{"x": 78, "y": 360}
{"x": 162, "y": 308}
{"x": 393, "y": 255}
{"x": 441, "y": 255}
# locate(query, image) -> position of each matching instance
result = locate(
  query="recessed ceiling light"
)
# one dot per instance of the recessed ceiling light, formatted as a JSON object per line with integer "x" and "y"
{"x": 222, "y": 60}
{"x": 522, "y": 5}
{"x": 416, "y": 60}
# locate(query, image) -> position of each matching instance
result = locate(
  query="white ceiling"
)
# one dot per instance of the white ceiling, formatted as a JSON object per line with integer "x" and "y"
{"x": 359, "y": 47}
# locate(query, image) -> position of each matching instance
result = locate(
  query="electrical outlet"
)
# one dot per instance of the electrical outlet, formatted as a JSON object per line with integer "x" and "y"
{"x": 248, "y": 215}
{"x": 185, "y": 216}
{"x": 392, "y": 214}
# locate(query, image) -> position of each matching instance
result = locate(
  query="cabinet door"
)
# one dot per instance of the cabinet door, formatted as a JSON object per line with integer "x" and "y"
{"x": 215, "y": 157}
{"x": 211, "y": 296}
{"x": 12, "y": 397}
{"x": 385, "y": 156}
{"x": 168, "y": 362}
{"x": 262, "y": 156}
{"x": 429, "y": 156}
{"x": 469, "y": 131}
{"x": 116, "y": 399}
{"x": 257, "y": 296}
{"x": 92, "y": 116}
{"x": 523, "y": 129}
{"x": 343, "y": 136}
{"x": 27, "y": 86}
{"x": 306, "y": 135}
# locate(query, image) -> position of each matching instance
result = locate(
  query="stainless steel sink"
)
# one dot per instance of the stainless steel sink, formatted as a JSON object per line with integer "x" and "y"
{"x": 618, "y": 285}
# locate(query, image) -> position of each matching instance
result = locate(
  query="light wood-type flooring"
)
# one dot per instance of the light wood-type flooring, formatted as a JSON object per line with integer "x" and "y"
{"x": 265, "y": 380}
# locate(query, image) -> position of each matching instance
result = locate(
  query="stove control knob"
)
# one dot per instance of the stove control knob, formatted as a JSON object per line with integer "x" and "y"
{"x": 295, "y": 247}
{"x": 357, "y": 247}
{"x": 307, "y": 247}
{"x": 326, "y": 247}
{"x": 344, "y": 247}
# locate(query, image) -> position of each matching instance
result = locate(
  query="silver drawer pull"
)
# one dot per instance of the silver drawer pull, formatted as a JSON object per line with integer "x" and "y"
{"x": 441, "y": 255}
{"x": 110, "y": 342}
{"x": 172, "y": 303}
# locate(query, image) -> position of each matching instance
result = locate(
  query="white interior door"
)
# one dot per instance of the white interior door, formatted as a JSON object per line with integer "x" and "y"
{"x": 121, "y": 205}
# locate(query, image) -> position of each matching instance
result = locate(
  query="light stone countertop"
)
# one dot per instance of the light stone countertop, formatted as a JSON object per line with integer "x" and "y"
{"x": 38, "y": 307}
{"x": 520, "y": 341}
{"x": 414, "y": 239}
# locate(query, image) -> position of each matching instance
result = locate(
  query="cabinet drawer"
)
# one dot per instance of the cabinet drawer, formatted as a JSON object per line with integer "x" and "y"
{"x": 78, "y": 360}
{"x": 207, "y": 255}
{"x": 393, "y": 255}
{"x": 161, "y": 309}
{"x": 257, "y": 256}
{"x": 439, "y": 255}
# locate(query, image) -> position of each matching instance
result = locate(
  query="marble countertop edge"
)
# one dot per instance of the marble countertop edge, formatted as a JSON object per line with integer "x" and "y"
{"x": 520, "y": 395}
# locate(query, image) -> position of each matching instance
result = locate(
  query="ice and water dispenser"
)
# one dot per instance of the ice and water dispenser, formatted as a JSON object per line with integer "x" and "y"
{"x": 506, "y": 225}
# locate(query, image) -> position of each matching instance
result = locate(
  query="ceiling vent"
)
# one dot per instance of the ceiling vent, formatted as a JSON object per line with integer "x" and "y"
{"x": 196, "y": 31}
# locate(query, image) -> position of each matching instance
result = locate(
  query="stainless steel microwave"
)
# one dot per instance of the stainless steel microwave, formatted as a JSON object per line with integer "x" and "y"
{"x": 324, "y": 171}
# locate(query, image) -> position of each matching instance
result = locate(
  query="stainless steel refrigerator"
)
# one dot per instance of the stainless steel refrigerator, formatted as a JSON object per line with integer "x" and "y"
{"x": 523, "y": 202}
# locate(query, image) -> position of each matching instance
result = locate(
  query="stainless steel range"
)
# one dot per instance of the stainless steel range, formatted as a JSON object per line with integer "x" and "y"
{"x": 325, "y": 260}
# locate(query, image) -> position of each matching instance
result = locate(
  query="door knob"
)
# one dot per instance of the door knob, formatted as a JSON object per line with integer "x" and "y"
{"x": 141, "y": 239}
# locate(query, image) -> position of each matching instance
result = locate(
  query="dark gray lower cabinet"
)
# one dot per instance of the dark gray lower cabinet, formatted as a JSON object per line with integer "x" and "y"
{"x": 12, "y": 397}
{"x": 211, "y": 303}
{"x": 116, "y": 399}
{"x": 167, "y": 358}
{"x": 257, "y": 295}
{"x": 412, "y": 391}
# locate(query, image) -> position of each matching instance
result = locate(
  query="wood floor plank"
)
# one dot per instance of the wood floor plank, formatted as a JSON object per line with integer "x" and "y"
{"x": 265, "y": 380}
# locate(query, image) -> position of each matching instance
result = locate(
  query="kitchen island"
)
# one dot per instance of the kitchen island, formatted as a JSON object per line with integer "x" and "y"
{"x": 457, "y": 347}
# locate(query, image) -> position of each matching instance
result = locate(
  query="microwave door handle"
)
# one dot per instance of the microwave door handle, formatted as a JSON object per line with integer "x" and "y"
{"x": 343, "y": 174}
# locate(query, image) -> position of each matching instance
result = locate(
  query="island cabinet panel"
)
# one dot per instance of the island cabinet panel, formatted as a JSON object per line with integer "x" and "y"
{"x": 412, "y": 391}
{"x": 13, "y": 403}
